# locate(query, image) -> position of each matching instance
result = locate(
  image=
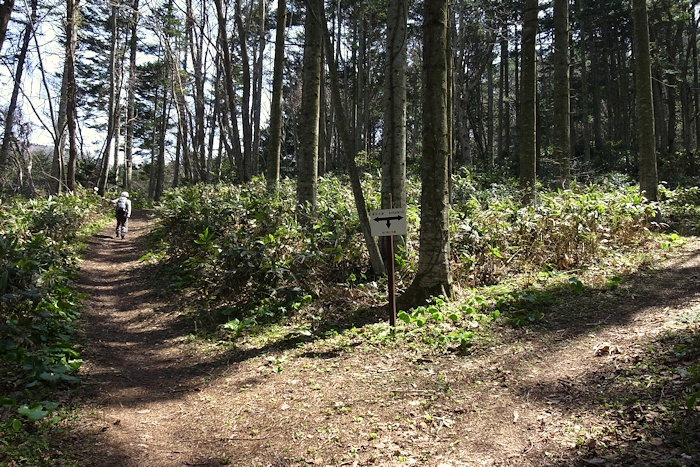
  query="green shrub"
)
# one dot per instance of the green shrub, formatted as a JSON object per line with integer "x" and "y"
{"x": 38, "y": 306}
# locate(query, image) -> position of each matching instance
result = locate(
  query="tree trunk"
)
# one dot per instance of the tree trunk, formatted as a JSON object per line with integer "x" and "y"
{"x": 562, "y": 103}
{"x": 274, "y": 149}
{"x": 648, "y": 177}
{"x": 72, "y": 12}
{"x": 307, "y": 155}
{"x": 230, "y": 89}
{"x": 433, "y": 277}
{"x": 346, "y": 132}
{"x": 59, "y": 144}
{"x": 111, "y": 104}
{"x": 19, "y": 71}
{"x": 584, "y": 99}
{"x": 504, "y": 100}
{"x": 5, "y": 13}
{"x": 159, "y": 185}
{"x": 196, "y": 46}
{"x": 245, "y": 104}
{"x": 257, "y": 89}
{"x": 394, "y": 130}
{"x": 131, "y": 97}
{"x": 528, "y": 104}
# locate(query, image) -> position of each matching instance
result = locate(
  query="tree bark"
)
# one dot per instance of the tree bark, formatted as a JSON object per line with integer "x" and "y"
{"x": 5, "y": 14}
{"x": 19, "y": 71}
{"x": 131, "y": 97}
{"x": 346, "y": 131}
{"x": 274, "y": 149}
{"x": 245, "y": 103}
{"x": 433, "y": 276}
{"x": 648, "y": 177}
{"x": 394, "y": 130}
{"x": 562, "y": 99}
{"x": 528, "y": 104}
{"x": 232, "y": 120}
{"x": 72, "y": 13}
{"x": 307, "y": 155}
{"x": 111, "y": 104}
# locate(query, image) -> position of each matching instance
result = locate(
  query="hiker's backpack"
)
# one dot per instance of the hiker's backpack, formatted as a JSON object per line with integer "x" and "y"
{"x": 121, "y": 205}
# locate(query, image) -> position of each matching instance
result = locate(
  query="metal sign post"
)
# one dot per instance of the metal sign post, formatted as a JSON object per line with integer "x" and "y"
{"x": 387, "y": 223}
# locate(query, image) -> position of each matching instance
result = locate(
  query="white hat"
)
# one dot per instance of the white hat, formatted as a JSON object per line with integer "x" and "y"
{"x": 125, "y": 194}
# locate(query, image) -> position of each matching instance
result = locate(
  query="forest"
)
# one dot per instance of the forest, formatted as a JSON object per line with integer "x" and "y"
{"x": 546, "y": 156}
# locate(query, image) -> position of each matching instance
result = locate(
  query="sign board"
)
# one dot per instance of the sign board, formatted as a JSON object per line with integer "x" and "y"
{"x": 388, "y": 222}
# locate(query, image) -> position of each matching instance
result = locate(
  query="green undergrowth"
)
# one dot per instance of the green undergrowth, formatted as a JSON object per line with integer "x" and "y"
{"x": 248, "y": 264}
{"x": 40, "y": 244}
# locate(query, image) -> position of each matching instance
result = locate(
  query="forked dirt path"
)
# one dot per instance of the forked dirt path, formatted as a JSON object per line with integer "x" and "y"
{"x": 154, "y": 397}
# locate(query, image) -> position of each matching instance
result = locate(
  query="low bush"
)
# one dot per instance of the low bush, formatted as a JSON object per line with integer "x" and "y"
{"x": 38, "y": 305}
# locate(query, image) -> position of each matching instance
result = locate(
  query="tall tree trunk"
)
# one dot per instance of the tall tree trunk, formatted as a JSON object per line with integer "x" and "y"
{"x": 6, "y": 8}
{"x": 504, "y": 99}
{"x": 245, "y": 104}
{"x": 307, "y": 156}
{"x": 696, "y": 94}
{"x": 159, "y": 185}
{"x": 227, "y": 66}
{"x": 562, "y": 99}
{"x": 394, "y": 130}
{"x": 528, "y": 104}
{"x": 19, "y": 71}
{"x": 72, "y": 13}
{"x": 196, "y": 46}
{"x": 648, "y": 177}
{"x": 131, "y": 97}
{"x": 346, "y": 132}
{"x": 274, "y": 149}
{"x": 584, "y": 98}
{"x": 257, "y": 89}
{"x": 433, "y": 277}
{"x": 59, "y": 146}
{"x": 111, "y": 104}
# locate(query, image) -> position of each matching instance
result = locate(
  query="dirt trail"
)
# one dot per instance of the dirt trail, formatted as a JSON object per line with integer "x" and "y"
{"x": 156, "y": 398}
{"x": 136, "y": 371}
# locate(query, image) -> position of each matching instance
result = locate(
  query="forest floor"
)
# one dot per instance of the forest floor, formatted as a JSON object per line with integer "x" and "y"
{"x": 600, "y": 381}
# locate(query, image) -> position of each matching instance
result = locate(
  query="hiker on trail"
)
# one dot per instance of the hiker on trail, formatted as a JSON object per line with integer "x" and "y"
{"x": 123, "y": 213}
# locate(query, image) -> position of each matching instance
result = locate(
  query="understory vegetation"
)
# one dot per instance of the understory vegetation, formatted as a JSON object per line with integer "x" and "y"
{"x": 249, "y": 275}
{"x": 40, "y": 245}
{"x": 250, "y": 263}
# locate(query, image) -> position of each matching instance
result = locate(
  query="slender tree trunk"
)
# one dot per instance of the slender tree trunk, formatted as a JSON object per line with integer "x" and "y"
{"x": 562, "y": 98}
{"x": 196, "y": 46}
{"x": 59, "y": 147}
{"x": 245, "y": 104}
{"x": 257, "y": 89}
{"x": 433, "y": 277}
{"x": 394, "y": 130}
{"x": 346, "y": 132}
{"x": 504, "y": 100}
{"x": 111, "y": 104}
{"x": 584, "y": 99}
{"x": 131, "y": 97}
{"x": 648, "y": 177}
{"x": 307, "y": 156}
{"x": 528, "y": 104}
{"x": 6, "y": 8}
{"x": 159, "y": 186}
{"x": 72, "y": 13}
{"x": 696, "y": 95}
{"x": 230, "y": 88}
{"x": 274, "y": 150}
{"x": 19, "y": 71}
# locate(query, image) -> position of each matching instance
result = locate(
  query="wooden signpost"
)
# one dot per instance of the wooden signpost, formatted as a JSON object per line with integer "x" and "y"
{"x": 387, "y": 223}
